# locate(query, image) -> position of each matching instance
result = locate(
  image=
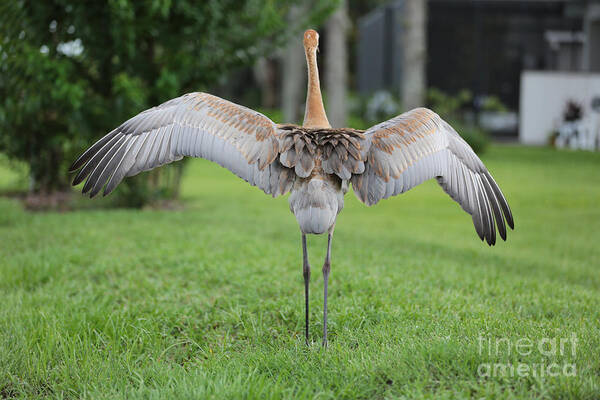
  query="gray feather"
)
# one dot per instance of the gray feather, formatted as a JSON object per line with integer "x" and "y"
{"x": 418, "y": 145}
{"x": 196, "y": 124}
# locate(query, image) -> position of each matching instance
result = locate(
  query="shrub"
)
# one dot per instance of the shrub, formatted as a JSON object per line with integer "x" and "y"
{"x": 476, "y": 137}
{"x": 453, "y": 109}
{"x": 72, "y": 71}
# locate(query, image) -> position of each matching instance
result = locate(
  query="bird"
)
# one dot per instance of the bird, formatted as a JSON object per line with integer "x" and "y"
{"x": 313, "y": 162}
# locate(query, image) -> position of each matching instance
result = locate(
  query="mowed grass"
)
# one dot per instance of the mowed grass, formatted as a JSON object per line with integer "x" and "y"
{"x": 207, "y": 302}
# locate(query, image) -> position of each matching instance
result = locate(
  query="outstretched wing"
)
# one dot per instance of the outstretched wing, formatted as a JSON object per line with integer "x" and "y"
{"x": 418, "y": 145}
{"x": 196, "y": 125}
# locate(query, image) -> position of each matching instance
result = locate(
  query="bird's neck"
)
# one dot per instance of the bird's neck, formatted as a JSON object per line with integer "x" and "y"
{"x": 314, "y": 115}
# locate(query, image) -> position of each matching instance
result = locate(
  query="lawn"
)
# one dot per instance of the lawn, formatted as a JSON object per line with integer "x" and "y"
{"x": 207, "y": 302}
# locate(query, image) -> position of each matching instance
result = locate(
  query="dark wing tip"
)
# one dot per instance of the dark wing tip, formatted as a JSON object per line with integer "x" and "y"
{"x": 502, "y": 200}
{"x": 78, "y": 163}
{"x": 510, "y": 222}
{"x": 95, "y": 191}
{"x": 503, "y": 235}
{"x": 78, "y": 178}
{"x": 92, "y": 150}
{"x": 88, "y": 186}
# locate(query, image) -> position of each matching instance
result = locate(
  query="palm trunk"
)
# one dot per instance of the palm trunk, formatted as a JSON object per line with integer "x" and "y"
{"x": 414, "y": 41}
{"x": 293, "y": 75}
{"x": 264, "y": 73}
{"x": 336, "y": 66}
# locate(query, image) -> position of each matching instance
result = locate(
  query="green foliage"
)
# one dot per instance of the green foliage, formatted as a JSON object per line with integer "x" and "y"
{"x": 380, "y": 106}
{"x": 207, "y": 303}
{"x": 357, "y": 122}
{"x": 452, "y": 109}
{"x": 13, "y": 175}
{"x": 275, "y": 115}
{"x": 366, "y": 111}
{"x": 447, "y": 106}
{"x": 493, "y": 103}
{"x": 72, "y": 71}
{"x": 477, "y": 137}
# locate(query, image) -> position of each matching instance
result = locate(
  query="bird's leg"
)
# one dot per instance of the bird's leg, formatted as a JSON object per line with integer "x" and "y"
{"x": 326, "y": 269}
{"x": 306, "y": 273}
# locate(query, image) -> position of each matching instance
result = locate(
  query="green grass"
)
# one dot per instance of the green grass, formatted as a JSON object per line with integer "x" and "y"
{"x": 208, "y": 302}
{"x": 13, "y": 176}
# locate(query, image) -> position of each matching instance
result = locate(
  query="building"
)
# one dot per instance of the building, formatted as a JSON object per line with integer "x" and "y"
{"x": 484, "y": 45}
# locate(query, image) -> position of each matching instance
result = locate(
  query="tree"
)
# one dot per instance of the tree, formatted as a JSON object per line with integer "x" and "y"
{"x": 336, "y": 65}
{"x": 266, "y": 77}
{"x": 293, "y": 74}
{"x": 415, "y": 46}
{"x": 72, "y": 71}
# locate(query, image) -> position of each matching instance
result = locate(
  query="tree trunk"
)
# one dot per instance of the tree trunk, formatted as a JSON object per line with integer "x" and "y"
{"x": 414, "y": 43}
{"x": 46, "y": 174}
{"x": 293, "y": 73}
{"x": 265, "y": 75}
{"x": 336, "y": 66}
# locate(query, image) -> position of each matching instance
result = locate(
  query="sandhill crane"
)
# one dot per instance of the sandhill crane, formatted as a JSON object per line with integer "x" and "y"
{"x": 313, "y": 161}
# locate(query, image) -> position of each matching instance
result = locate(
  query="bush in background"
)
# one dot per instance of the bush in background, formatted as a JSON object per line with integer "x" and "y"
{"x": 366, "y": 111}
{"x": 72, "y": 71}
{"x": 454, "y": 108}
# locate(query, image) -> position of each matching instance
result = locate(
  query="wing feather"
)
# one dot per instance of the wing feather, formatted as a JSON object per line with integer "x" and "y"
{"x": 197, "y": 125}
{"x": 418, "y": 145}
{"x": 99, "y": 167}
{"x": 495, "y": 207}
{"x": 125, "y": 164}
{"x": 109, "y": 166}
{"x": 91, "y": 159}
{"x": 93, "y": 150}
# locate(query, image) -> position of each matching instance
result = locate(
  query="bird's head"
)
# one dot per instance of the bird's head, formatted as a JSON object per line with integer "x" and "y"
{"x": 311, "y": 39}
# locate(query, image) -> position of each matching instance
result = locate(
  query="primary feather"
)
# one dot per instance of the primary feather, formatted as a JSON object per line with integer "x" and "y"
{"x": 417, "y": 146}
{"x": 196, "y": 125}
